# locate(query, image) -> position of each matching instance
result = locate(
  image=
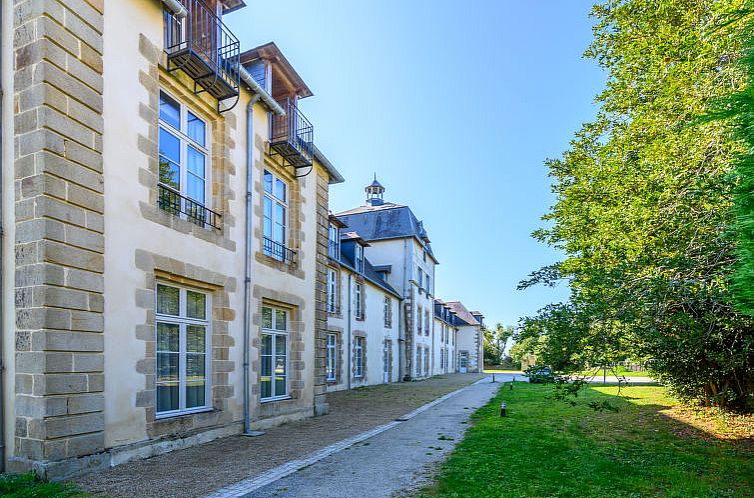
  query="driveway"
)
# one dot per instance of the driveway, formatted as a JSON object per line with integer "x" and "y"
{"x": 388, "y": 463}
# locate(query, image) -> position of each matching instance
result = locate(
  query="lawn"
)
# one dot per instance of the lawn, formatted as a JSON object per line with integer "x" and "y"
{"x": 27, "y": 486}
{"x": 651, "y": 447}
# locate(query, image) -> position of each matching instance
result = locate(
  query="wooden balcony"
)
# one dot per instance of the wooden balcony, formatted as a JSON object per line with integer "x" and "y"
{"x": 292, "y": 136}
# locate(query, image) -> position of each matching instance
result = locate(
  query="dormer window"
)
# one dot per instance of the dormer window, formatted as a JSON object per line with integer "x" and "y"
{"x": 359, "y": 258}
{"x": 333, "y": 242}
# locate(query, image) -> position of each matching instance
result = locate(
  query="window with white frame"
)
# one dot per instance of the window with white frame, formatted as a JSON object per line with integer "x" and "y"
{"x": 273, "y": 375}
{"x": 419, "y": 278}
{"x": 418, "y": 361}
{"x": 419, "y": 320}
{"x": 183, "y": 337}
{"x": 358, "y": 357}
{"x": 426, "y": 323}
{"x": 429, "y": 287}
{"x": 332, "y": 290}
{"x": 183, "y": 171}
{"x": 275, "y": 217}
{"x": 332, "y": 357}
{"x": 426, "y": 361}
{"x": 359, "y": 258}
{"x": 388, "y": 312}
{"x": 359, "y": 289}
{"x": 333, "y": 239}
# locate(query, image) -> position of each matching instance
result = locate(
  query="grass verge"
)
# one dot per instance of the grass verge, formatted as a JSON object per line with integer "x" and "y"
{"x": 28, "y": 486}
{"x": 650, "y": 447}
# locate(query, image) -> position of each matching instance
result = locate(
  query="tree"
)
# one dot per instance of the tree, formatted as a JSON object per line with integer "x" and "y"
{"x": 644, "y": 206}
{"x": 495, "y": 342}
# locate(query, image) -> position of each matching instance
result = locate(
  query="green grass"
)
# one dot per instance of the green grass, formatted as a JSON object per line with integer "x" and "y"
{"x": 501, "y": 370}
{"x": 28, "y": 486}
{"x": 619, "y": 370}
{"x": 546, "y": 448}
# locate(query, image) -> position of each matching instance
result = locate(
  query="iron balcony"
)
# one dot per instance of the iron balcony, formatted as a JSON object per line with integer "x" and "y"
{"x": 292, "y": 136}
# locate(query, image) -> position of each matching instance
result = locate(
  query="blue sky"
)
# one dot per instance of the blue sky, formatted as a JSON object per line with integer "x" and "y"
{"x": 455, "y": 105}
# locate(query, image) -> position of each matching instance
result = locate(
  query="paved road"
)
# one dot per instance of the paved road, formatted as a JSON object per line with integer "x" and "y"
{"x": 391, "y": 461}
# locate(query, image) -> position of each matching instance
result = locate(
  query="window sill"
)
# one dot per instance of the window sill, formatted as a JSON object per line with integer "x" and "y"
{"x": 276, "y": 398}
{"x": 182, "y": 413}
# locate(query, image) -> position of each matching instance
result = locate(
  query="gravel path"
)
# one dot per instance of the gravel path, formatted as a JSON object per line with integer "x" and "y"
{"x": 392, "y": 462}
{"x": 197, "y": 471}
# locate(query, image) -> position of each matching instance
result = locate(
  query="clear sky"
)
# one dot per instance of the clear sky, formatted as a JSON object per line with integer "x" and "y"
{"x": 455, "y": 104}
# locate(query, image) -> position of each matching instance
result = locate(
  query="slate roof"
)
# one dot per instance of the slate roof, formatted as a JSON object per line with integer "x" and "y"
{"x": 462, "y": 313}
{"x": 370, "y": 273}
{"x": 385, "y": 221}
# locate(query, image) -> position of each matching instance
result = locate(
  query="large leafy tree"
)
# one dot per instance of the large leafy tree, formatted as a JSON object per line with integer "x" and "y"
{"x": 644, "y": 205}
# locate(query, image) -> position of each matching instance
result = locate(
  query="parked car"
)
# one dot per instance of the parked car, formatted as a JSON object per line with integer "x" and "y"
{"x": 540, "y": 374}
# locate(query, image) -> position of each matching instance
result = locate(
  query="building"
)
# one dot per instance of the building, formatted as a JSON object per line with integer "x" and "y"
{"x": 444, "y": 336}
{"x": 469, "y": 338}
{"x": 363, "y": 311}
{"x": 165, "y": 215}
{"x": 398, "y": 240}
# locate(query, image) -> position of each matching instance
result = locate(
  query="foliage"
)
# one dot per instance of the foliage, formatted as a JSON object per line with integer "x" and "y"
{"x": 539, "y": 374}
{"x": 29, "y": 486}
{"x": 644, "y": 206}
{"x": 543, "y": 448}
{"x": 495, "y": 342}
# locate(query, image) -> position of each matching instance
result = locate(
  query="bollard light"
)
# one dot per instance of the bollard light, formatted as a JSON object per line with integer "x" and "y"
{"x": 503, "y": 409}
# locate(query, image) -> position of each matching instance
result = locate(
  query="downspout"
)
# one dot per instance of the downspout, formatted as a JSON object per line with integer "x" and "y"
{"x": 176, "y": 8}
{"x": 404, "y": 332}
{"x": 2, "y": 271}
{"x": 348, "y": 345}
{"x": 247, "y": 266}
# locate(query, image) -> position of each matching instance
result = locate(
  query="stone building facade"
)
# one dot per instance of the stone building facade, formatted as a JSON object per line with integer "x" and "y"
{"x": 135, "y": 286}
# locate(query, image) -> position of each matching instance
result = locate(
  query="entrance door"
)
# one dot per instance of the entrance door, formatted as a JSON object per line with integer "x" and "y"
{"x": 463, "y": 361}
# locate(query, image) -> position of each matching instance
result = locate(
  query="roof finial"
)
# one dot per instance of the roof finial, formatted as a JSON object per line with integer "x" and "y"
{"x": 375, "y": 192}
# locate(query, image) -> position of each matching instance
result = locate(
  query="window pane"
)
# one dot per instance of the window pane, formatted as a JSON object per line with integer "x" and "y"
{"x": 279, "y": 214}
{"x": 267, "y": 181}
{"x": 195, "y": 394}
{"x": 266, "y": 344}
{"x": 280, "y": 190}
{"x": 195, "y": 339}
{"x": 195, "y": 380}
{"x": 265, "y": 377}
{"x": 279, "y": 234}
{"x": 170, "y": 146}
{"x": 167, "y": 397}
{"x": 167, "y": 300}
{"x": 196, "y": 129}
{"x": 280, "y": 345}
{"x": 281, "y": 318}
{"x": 196, "y": 162}
{"x": 168, "y": 337}
{"x": 170, "y": 111}
{"x": 196, "y": 305}
{"x": 170, "y": 174}
{"x": 167, "y": 368}
{"x": 266, "y": 318}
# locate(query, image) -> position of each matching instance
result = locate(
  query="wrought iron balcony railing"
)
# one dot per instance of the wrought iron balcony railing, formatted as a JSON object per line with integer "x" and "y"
{"x": 173, "y": 202}
{"x": 278, "y": 251}
{"x": 204, "y": 48}
{"x": 292, "y": 136}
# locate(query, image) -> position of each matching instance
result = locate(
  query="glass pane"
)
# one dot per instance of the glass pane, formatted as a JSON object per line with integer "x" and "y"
{"x": 168, "y": 337}
{"x": 281, "y": 318}
{"x": 266, "y": 344}
{"x": 168, "y": 300}
{"x": 196, "y": 129}
{"x": 195, "y": 338}
{"x": 267, "y": 181}
{"x": 279, "y": 234}
{"x": 268, "y": 228}
{"x": 195, "y": 368}
{"x": 265, "y": 378}
{"x": 280, "y": 343}
{"x": 279, "y": 214}
{"x": 267, "y": 208}
{"x": 266, "y": 318}
{"x": 167, "y": 367}
{"x": 196, "y": 305}
{"x": 167, "y": 397}
{"x": 170, "y": 173}
{"x": 195, "y": 394}
{"x": 195, "y": 162}
{"x": 280, "y": 385}
{"x": 265, "y": 387}
{"x": 170, "y": 146}
{"x": 170, "y": 111}
{"x": 280, "y": 190}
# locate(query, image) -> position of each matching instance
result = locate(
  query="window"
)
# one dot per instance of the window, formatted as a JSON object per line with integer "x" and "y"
{"x": 332, "y": 357}
{"x": 426, "y": 361}
{"x": 418, "y": 361}
{"x": 359, "y": 301}
{"x": 429, "y": 288}
{"x": 388, "y": 311}
{"x": 358, "y": 357}
{"x": 442, "y": 359}
{"x": 274, "y": 353}
{"x": 275, "y": 217}
{"x": 333, "y": 239}
{"x": 419, "y": 278}
{"x": 424, "y": 255}
{"x": 426, "y": 322}
{"x": 332, "y": 291}
{"x": 419, "y": 320}
{"x": 182, "y": 328}
{"x": 183, "y": 153}
{"x": 359, "y": 258}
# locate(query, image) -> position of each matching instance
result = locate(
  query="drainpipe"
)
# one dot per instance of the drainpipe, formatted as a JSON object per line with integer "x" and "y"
{"x": 404, "y": 331}
{"x": 247, "y": 267}
{"x": 176, "y": 8}
{"x": 348, "y": 321}
{"x": 2, "y": 276}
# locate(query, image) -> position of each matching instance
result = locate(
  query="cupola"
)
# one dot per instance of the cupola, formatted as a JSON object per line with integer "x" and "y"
{"x": 375, "y": 192}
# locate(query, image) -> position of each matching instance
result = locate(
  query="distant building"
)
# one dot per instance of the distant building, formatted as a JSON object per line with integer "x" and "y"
{"x": 470, "y": 341}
